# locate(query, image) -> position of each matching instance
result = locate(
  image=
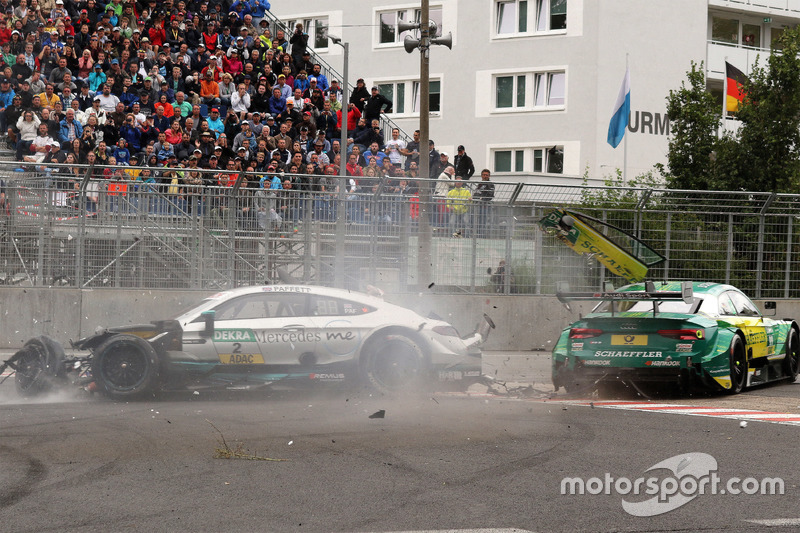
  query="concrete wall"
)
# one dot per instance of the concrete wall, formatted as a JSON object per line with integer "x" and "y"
{"x": 523, "y": 322}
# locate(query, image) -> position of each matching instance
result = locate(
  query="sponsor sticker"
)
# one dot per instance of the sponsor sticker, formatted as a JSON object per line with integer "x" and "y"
{"x": 577, "y": 346}
{"x": 662, "y": 363}
{"x": 683, "y": 348}
{"x": 629, "y": 340}
{"x": 327, "y": 377}
{"x": 597, "y": 362}
{"x": 241, "y": 359}
{"x": 234, "y": 335}
{"x": 612, "y": 353}
{"x": 450, "y": 375}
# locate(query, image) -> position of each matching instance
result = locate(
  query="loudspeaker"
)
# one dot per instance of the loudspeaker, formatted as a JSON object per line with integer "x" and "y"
{"x": 446, "y": 40}
{"x": 410, "y": 44}
{"x": 407, "y": 26}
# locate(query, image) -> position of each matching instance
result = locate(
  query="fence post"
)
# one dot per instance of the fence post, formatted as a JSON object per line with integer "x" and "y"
{"x": 667, "y": 241}
{"x": 787, "y": 277}
{"x": 729, "y": 255}
{"x": 538, "y": 252}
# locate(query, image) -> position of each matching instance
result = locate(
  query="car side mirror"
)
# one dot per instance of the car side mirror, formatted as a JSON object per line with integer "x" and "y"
{"x": 772, "y": 307}
{"x": 208, "y": 319}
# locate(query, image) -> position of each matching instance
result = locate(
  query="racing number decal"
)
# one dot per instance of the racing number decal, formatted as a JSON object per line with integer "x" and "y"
{"x": 229, "y": 344}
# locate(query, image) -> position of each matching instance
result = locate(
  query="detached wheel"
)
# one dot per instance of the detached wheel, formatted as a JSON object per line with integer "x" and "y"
{"x": 126, "y": 367}
{"x": 39, "y": 367}
{"x": 791, "y": 362}
{"x": 738, "y": 360}
{"x": 393, "y": 363}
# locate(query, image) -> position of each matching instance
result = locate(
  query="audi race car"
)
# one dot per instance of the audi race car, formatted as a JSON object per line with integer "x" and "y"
{"x": 679, "y": 332}
{"x": 256, "y": 336}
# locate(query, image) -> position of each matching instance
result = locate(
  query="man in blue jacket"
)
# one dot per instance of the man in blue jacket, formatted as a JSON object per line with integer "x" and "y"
{"x": 6, "y": 99}
{"x": 70, "y": 129}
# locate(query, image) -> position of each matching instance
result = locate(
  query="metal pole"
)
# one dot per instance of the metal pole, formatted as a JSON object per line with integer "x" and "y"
{"x": 424, "y": 265}
{"x": 341, "y": 212}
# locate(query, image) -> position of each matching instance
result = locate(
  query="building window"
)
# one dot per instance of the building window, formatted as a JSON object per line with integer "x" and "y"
{"x": 388, "y": 21}
{"x": 434, "y": 96}
{"x": 724, "y": 30}
{"x": 405, "y": 96}
{"x": 316, "y": 28}
{"x": 511, "y": 91}
{"x": 512, "y": 17}
{"x": 538, "y": 160}
{"x": 552, "y": 15}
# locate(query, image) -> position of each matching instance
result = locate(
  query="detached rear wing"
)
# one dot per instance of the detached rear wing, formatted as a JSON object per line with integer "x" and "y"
{"x": 649, "y": 294}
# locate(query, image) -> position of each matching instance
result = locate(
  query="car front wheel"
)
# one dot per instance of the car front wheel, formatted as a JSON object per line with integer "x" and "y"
{"x": 126, "y": 367}
{"x": 38, "y": 367}
{"x": 393, "y": 363}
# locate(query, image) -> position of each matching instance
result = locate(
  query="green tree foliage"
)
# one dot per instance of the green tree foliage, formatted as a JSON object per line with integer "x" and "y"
{"x": 694, "y": 119}
{"x": 764, "y": 155}
{"x": 768, "y": 158}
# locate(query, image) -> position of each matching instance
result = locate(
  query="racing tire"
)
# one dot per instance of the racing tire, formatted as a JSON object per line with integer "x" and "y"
{"x": 126, "y": 367}
{"x": 40, "y": 367}
{"x": 393, "y": 363}
{"x": 738, "y": 365}
{"x": 791, "y": 362}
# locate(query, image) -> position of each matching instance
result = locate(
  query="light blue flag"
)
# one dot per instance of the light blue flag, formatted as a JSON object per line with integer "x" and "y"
{"x": 622, "y": 108}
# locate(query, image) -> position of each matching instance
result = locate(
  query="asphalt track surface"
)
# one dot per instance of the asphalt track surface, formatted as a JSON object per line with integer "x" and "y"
{"x": 314, "y": 460}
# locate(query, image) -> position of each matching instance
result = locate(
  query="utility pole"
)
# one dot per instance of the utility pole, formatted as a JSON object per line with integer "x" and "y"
{"x": 425, "y": 26}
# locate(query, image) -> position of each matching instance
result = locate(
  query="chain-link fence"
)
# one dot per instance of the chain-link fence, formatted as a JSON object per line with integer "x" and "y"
{"x": 162, "y": 228}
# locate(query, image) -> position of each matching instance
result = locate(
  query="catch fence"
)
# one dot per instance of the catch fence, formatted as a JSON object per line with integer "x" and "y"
{"x": 97, "y": 227}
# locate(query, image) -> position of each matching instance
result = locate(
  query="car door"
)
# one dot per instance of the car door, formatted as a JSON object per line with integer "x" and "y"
{"x": 342, "y": 325}
{"x": 264, "y": 328}
{"x": 757, "y": 329}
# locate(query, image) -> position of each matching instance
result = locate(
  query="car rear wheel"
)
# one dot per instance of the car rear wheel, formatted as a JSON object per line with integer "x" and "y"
{"x": 738, "y": 362}
{"x": 791, "y": 362}
{"x": 126, "y": 367}
{"x": 38, "y": 366}
{"x": 393, "y": 363}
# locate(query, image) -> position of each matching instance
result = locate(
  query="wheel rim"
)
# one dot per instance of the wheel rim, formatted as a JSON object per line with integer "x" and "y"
{"x": 29, "y": 368}
{"x": 124, "y": 368}
{"x": 396, "y": 364}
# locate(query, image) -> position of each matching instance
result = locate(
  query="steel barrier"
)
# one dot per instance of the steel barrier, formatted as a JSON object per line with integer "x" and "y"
{"x": 122, "y": 227}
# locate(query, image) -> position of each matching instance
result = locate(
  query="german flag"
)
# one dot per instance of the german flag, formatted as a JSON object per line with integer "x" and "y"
{"x": 735, "y": 82}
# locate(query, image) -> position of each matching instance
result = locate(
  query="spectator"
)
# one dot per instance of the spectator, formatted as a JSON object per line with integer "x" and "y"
{"x": 483, "y": 195}
{"x": 463, "y": 163}
{"x": 70, "y": 129}
{"x": 41, "y": 146}
{"x": 395, "y": 148}
{"x": 458, "y": 203}
{"x": 376, "y": 104}
{"x": 209, "y": 89}
{"x": 240, "y": 100}
{"x": 501, "y": 276}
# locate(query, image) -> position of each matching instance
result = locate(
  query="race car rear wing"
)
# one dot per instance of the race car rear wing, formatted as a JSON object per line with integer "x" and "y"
{"x": 649, "y": 294}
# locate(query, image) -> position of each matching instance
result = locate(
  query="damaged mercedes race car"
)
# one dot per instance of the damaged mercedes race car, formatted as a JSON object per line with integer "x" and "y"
{"x": 258, "y": 336}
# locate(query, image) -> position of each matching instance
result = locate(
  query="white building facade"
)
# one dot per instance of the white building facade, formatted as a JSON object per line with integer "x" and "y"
{"x": 529, "y": 85}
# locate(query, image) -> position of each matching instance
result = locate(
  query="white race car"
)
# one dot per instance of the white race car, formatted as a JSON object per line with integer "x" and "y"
{"x": 254, "y": 336}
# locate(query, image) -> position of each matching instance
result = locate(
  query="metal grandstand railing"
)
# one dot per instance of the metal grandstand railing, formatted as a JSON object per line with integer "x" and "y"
{"x": 116, "y": 233}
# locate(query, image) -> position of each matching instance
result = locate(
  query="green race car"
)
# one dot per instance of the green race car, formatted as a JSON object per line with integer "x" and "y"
{"x": 681, "y": 332}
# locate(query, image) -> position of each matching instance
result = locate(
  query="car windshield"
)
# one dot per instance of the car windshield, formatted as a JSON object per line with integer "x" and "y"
{"x": 193, "y": 303}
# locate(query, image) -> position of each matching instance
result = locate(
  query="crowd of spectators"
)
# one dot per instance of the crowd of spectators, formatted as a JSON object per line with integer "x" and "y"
{"x": 182, "y": 85}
